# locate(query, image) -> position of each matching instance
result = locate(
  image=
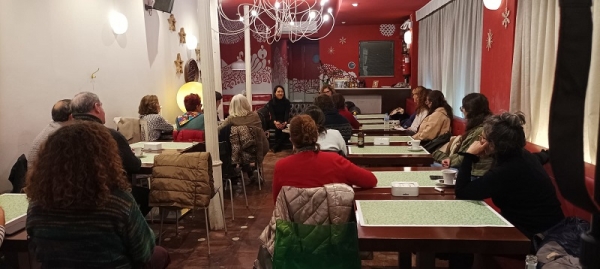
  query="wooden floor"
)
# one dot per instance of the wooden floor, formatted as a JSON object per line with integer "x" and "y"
{"x": 238, "y": 248}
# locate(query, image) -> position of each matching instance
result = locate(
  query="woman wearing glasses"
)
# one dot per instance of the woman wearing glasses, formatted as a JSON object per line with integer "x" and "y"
{"x": 475, "y": 108}
{"x": 439, "y": 119}
{"x": 517, "y": 182}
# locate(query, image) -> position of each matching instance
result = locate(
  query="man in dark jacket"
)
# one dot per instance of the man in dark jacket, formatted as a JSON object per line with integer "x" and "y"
{"x": 333, "y": 119}
{"x": 86, "y": 106}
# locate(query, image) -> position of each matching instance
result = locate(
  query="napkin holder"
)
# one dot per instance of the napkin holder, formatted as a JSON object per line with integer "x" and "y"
{"x": 153, "y": 146}
{"x": 405, "y": 188}
{"x": 381, "y": 141}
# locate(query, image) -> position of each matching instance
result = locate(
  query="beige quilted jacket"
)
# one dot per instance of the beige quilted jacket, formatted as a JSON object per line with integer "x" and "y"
{"x": 330, "y": 204}
{"x": 183, "y": 180}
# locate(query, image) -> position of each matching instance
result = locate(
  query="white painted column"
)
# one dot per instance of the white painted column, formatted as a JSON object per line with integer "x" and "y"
{"x": 209, "y": 54}
{"x": 247, "y": 54}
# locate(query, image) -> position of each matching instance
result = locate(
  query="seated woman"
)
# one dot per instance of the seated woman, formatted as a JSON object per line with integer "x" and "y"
{"x": 419, "y": 95}
{"x": 327, "y": 89}
{"x": 340, "y": 104}
{"x": 158, "y": 127}
{"x": 193, "y": 119}
{"x": 476, "y": 110}
{"x": 329, "y": 139}
{"x": 439, "y": 119}
{"x": 240, "y": 113}
{"x": 517, "y": 183}
{"x": 309, "y": 167}
{"x": 81, "y": 213}
{"x": 279, "y": 109}
{"x": 333, "y": 119}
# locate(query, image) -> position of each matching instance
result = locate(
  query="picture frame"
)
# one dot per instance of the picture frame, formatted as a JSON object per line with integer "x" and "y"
{"x": 375, "y": 84}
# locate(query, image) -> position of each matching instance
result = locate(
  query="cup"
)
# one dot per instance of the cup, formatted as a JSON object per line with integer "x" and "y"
{"x": 414, "y": 144}
{"x": 137, "y": 151}
{"x": 449, "y": 176}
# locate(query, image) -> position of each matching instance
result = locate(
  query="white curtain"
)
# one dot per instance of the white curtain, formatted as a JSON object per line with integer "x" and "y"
{"x": 450, "y": 50}
{"x": 534, "y": 64}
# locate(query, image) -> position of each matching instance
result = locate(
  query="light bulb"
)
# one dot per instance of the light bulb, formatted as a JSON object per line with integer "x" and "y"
{"x": 191, "y": 42}
{"x": 408, "y": 37}
{"x": 492, "y": 4}
{"x": 277, "y": 5}
{"x": 292, "y": 23}
{"x": 326, "y": 17}
{"x": 118, "y": 22}
{"x": 241, "y": 18}
{"x": 253, "y": 12}
{"x": 330, "y": 10}
{"x": 354, "y": 4}
{"x": 312, "y": 15}
{"x": 323, "y": 2}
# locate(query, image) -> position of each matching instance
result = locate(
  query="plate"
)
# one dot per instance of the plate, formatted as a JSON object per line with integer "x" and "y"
{"x": 399, "y": 128}
{"x": 415, "y": 150}
{"x": 441, "y": 182}
{"x": 140, "y": 156}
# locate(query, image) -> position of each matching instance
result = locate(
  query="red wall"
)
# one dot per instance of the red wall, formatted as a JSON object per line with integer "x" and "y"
{"x": 496, "y": 64}
{"x": 345, "y": 53}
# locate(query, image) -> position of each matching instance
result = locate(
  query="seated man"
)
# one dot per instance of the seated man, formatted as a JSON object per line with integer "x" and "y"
{"x": 61, "y": 114}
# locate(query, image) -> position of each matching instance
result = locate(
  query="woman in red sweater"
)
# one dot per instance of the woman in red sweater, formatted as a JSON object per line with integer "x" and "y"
{"x": 310, "y": 168}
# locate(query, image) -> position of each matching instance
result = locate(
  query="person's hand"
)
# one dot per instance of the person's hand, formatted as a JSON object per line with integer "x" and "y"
{"x": 2, "y": 220}
{"x": 478, "y": 148}
{"x": 446, "y": 162}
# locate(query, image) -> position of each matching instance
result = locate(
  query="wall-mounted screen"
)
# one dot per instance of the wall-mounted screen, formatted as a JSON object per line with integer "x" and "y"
{"x": 376, "y": 58}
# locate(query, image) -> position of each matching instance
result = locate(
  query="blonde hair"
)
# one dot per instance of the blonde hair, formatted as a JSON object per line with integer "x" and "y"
{"x": 239, "y": 106}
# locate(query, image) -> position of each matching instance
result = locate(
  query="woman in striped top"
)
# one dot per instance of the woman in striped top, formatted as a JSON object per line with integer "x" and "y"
{"x": 2, "y": 223}
{"x": 81, "y": 213}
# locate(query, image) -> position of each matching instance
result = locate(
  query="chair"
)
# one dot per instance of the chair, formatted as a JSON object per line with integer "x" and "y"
{"x": 133, "y": 129}
{"x": 183, "y": 180}
{"x": 17, "y": 174}
{"x": 144, "y": 130}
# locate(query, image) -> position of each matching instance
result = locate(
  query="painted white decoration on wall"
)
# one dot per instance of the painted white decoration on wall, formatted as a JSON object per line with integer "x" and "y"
{"x": 259, "y": 38}
{"x": 387, "y": 29}
{"x": 233, "y": 82}
{"x": 343, "y": 40}
{"x": 506, "y": 19}
{"x": 489, "y": 40}
{"x": 229, "y": 38}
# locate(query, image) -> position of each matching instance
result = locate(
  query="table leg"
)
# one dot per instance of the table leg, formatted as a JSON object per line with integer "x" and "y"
{"x": 404, "y": 260}
{"x": 426, "y": 260}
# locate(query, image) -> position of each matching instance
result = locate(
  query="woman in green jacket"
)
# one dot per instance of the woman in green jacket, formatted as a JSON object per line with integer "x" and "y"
{"x": 475, "y": 107}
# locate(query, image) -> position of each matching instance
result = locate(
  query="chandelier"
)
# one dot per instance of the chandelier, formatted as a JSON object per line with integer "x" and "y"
{"x": 269, "y": 20}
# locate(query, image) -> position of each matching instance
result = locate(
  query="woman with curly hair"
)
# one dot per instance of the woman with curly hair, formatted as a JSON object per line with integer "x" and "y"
{"x": 309, "y": 167}
{"x": 158, "y": 127}
{"x": 81, "y": 212}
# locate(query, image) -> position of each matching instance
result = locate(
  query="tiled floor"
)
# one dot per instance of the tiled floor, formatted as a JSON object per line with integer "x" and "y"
{"x": 238, "y": 248}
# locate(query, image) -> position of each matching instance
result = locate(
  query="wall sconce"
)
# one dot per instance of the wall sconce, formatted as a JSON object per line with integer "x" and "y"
{"x": 408, "y": 37}
{"x": 492, "y": 4}
{"x": 118, "y": 22}
{"x": 191, "y": 42}
{"x": 187, "y": 89}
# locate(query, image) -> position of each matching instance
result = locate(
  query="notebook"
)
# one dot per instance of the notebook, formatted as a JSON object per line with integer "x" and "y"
{"x": 15, "y": 211}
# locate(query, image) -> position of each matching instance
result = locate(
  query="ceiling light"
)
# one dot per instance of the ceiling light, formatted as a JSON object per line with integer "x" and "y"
{"x": 330, "y": 10}
{"x": 492, "y": 4}
{"x": 312, "y": 15}
{"x": 277, "y": 5}
{"x": 241, "y": 18}
{"x": 325, "y": 17}
{"x": 354, "y": 4}
{"x": 408, "y": 37}
{"x": 253, "y": 12}
{"x": 323, "y": 2}
{"x": 118, "y": 22}
{"x": 343, "y": 22}
{"x": 191, "y": 42}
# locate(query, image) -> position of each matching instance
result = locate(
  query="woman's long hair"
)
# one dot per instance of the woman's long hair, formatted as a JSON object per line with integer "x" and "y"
{"x": 477, "y": 109}
{"x": 318, "y": 116}
{"x": 438, "y": 100}
{"x": 421, "y": 93}
{"x": 77, "y": 168}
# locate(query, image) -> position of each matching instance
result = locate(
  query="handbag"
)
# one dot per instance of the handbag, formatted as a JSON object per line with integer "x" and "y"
{"x": 437, "y": 142}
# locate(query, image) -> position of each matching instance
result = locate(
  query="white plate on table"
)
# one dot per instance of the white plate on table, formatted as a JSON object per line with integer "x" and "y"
{"x": 415, "y": 150}
{"x": 441, "y": 182}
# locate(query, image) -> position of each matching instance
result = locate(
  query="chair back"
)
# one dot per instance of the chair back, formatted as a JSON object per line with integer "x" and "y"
{"x": 145, "y": 133}
{"x": 186, "y": 135}
{"x": 130, "y": 128}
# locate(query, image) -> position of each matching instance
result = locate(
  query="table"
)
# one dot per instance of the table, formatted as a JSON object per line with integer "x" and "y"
{"x": 427, "y": 241}
{"x": 384, "y": 191}
{"x": 167, "y": 147}
{"x": 388, "y": 156}
{"x": 395, "y": 140}
{"x": 380, "y": 131}
{"x": 370, "y": 121}
{"x": 370, "y": 116}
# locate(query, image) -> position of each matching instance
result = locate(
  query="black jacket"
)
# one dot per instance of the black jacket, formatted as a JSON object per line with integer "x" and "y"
{"x": 333, "y": 120}
{"x": 519, "y": 186}
{"x": 131, "y": 164}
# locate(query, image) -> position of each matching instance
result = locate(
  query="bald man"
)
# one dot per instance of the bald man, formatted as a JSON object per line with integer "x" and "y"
{"x": 61, "y": 114}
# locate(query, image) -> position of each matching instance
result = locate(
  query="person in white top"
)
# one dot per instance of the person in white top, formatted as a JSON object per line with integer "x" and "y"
{"x": 329, "y": 139}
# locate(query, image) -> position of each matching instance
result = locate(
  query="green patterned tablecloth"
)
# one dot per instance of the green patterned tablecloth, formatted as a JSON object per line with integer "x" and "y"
{"x": 14, "y": 205}
{"x": 148, "y": 158}
{"x": 369, "y": 121}
{"x": 420, "y": 213}
{"x": 385, "y": 178}
{"x": 375, "y": 127}
{"x": 166, "y": 145}
{"x": 383, "y": 150}
{"x": 370, "y": 116}
{"x": 393, "y": 138}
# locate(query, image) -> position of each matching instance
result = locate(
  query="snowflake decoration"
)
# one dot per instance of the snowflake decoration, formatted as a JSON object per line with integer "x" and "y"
{"x": 489, "y": 40}
{"x": 343, "y": 40}
{"x": 387, "y": 29}
{"x": 505, "y": 15}
{"x": 331, "y": 50}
